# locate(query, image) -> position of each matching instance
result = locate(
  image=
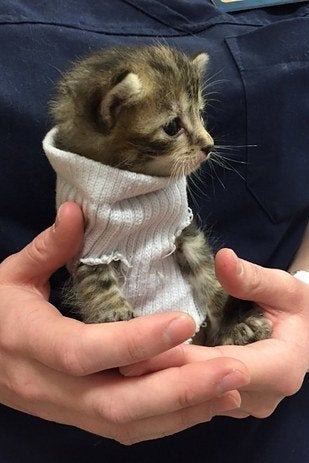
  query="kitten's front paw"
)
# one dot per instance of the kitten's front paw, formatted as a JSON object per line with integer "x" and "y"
{"x": 251, "y": 329}
{"x": 119, "y": 312}
{"x": 116, "y": 315}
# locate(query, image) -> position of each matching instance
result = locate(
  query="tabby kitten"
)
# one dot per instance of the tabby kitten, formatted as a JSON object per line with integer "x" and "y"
{"x": 140, "y": 110}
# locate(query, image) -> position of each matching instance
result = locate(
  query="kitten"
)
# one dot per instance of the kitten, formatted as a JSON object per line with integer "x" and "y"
{"x": 140, "y": 110}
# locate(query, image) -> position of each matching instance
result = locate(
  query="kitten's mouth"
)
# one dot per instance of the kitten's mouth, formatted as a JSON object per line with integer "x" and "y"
{"x": 183, "y": 169}
{"x": 195, "y": 161}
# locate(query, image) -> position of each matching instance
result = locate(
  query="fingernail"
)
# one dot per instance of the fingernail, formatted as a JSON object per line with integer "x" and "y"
{"x": 226, "y": 403}
{"x": 131, "y": 370}
{"x": 180, "y": 329}
{"x": 231, "y": 381}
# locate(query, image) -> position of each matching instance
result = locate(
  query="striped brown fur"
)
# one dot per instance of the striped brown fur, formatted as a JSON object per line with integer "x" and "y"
{"x": 123, "y": 107}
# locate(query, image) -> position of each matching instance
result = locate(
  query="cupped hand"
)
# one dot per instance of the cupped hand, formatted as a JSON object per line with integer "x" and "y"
{"x": 278, "y": 365}
{"x": 66, "y": 371}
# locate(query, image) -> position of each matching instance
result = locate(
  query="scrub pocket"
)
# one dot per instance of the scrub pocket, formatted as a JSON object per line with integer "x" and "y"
{"x": 273, "y": 62}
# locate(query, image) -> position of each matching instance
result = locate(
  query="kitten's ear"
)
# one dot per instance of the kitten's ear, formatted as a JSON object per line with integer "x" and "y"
{"x": 125, "y": 92}
{"x": 200, "y": 61}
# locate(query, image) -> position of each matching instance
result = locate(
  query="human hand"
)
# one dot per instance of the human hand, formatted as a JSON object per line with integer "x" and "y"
{"x": 277, "y": 366}
{"x": 63, "y": 370}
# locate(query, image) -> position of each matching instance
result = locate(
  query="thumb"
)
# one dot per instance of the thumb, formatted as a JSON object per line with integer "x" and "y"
{"x": 49, "y": 251}
{"x": 269, "y": 288}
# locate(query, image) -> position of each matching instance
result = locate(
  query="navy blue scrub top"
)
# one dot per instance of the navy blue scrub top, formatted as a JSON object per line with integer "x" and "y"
{"x": 258, "y": 204}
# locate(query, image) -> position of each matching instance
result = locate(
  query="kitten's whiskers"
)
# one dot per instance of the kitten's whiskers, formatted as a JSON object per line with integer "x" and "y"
{"x": 226, "y": 162}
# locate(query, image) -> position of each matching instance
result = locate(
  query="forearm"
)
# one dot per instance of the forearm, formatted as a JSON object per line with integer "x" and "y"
{"x": 301, "y": 261}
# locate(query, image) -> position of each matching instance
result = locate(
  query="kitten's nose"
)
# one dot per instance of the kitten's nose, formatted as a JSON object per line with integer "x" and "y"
{"x": 205, "y": 142}
{"x": 207, "y": 149}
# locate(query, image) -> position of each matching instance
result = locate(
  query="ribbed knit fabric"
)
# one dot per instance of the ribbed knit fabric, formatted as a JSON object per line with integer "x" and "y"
{"x": 133, "y": 218}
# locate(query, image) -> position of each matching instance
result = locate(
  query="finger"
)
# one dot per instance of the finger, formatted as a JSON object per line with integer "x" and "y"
{"x": 170, "y": 390}
{"x": 49, "y": 251}
{"x": 175, "y": 357}
{"x": 81, "y": 349}
{"x": 265, "y": 361}
{"x": 51, "y": 395}
{"x": 260, "y": 404}
{"x": 260, "y": 364}
{"x": 264, "y": 286}
{"x": 168, "y": 424}
{"x": 96, "y": 403}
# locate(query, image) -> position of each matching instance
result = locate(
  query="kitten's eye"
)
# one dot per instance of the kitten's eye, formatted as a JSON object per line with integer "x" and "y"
{"x": 173, "y": 127}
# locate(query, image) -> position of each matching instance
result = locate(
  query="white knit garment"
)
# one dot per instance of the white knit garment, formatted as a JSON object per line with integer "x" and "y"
{"x": 132, "y": 218}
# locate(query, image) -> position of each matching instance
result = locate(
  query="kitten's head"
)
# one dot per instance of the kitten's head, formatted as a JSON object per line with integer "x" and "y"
{"x": 138, "y": 109}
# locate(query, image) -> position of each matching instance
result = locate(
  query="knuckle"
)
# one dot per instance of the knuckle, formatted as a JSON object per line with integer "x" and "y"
{"x": 187, "y": 418}
{"x": 136, "y": 351}
{"x": 186, "y": 397}
{"x": 69, "y": 360}
{"x": 23, "y": 386}
{"x": 263, "y": 412}
{"x": 37, "y": 247}
{"x": 290, "y": 387}
{"x": 72, "y": 353}
{"x": 115, "y": 411}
